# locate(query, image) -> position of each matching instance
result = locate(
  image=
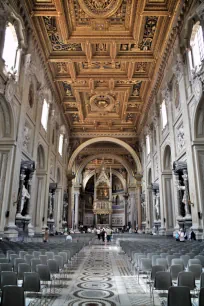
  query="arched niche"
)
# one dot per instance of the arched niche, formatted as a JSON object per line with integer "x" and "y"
{"x": 105, "y": 139}
{"x": 167, "y": 158}
{"x": 40, "y": 158}
{"x": 149, "y": 176}
{"x": 199, "y": 120}
{"x": 58, "y": 176}
{"x": 121, "y": 160}
{"x": 6, "y": 119}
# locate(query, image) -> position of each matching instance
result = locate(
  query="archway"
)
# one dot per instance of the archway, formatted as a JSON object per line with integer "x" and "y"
{"x": 39, "y": 187}
{"x": 168, "y": 188}
{"x": 121, "y": 160}
{"x": 105, "y": 139}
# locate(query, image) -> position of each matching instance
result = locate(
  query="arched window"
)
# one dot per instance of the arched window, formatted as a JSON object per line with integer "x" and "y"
{"x": 45, "y": 114}
{"x": 164, "y": 114}
{"x": 60, "y": 147}
{"x": 11, "y": 52}
{"x": 148, "y": 144}
{"x": 196, "y": 53}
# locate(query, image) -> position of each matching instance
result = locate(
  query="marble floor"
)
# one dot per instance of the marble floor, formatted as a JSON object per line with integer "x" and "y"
{"x": 100, "y": 276}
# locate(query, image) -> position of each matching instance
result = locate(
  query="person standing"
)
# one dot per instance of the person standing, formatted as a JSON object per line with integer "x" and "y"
{"x": 46, "y": 235}
{"x": 98, "y": 232}
{"x": 103, "y": 234}
{"x": 181, "y": 235}
{"x": 108, "y": 231}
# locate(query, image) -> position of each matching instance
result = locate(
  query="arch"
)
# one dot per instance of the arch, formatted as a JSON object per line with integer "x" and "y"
{"x": 199, "y": 119}
{"x": 167, "y": 158}
{"x": 7, "y": 122}
{"x": 105, "y": 139}
{"x": 87, "y": 178}
{"x": 105, "y": 155}
{"x": 40, "y": 158}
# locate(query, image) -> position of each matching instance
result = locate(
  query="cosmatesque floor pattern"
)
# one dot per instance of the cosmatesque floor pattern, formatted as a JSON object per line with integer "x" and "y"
{"x": 100, "y": 276}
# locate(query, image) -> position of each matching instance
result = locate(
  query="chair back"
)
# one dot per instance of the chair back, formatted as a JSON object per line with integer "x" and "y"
{"x": 43, "y": 259}
{"x": 50, "y": 255}
{"x": 196, "y": 269}
{"x": 186, "y": 279}
{"x": 31, "y": 282}
{"x": 13, "y": 296}
{"x": 175, "y": 270}
{"x": 201, "y": 297}
{"x": 17, "y": 261}
{"x": 6, "y": 267}
{"x": 162, "y": 280}
{"x": 43, "y": 272}
{"x": 34, "y": 263}
{"x": 60, "y": 260}
{"x": 22, "y": 268}
{"x": 53, "y": 266}
{"x": 179, "y": 296}
{"x": 156, "y": 269}
{"x": 8, "y": 278}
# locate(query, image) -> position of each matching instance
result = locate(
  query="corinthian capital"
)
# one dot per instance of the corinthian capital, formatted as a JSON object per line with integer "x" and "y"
{"x": 178, "y": 68}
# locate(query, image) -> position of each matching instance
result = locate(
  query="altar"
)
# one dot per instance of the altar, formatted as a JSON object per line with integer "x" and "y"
{"x": 102, "y": 206}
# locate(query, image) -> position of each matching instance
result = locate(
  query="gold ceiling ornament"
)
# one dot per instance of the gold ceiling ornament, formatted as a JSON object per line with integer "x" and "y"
{"x": 102, "y": 102}
{"x": 100, "y": 8}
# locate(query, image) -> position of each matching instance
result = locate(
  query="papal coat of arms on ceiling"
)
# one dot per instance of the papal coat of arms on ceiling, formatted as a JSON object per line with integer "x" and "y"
{"x": 100, "y": 8}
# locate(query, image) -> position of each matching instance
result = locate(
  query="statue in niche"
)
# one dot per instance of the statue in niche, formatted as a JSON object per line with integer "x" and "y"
{"x": 157, "y": 206}
{"x": 105, "y": 193}
{"x": 25, "y": 195}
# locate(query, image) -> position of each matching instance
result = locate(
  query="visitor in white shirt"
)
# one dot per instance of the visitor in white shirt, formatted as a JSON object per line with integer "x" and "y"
{"x": 69, "y": 237}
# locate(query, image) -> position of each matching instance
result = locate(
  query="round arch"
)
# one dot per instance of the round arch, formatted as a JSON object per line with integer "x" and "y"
{"x": 106, "y": 155}
{"x": 105, "y": 139}
{"x": 120, "y": 177}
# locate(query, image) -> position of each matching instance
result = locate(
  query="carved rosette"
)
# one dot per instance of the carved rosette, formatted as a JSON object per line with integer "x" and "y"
{"x": 100, "y": 8}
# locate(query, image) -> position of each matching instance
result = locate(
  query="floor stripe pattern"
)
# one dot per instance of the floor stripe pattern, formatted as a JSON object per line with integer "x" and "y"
{"x": 101, "y": 277}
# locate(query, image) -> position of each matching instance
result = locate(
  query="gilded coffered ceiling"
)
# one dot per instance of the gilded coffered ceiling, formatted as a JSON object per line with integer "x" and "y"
{"x": 103, "y": 56}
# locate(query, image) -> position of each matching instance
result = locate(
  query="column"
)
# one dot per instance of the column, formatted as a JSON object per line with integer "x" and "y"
{"x": 138, "y": 202}
{"x": 76, "y": 210}
{"x": 179, "y": 72}
{"x": 133, "y": 208}
{"x": 126, "y": 195}
{"x": 69, "y": 217}
{"x": 10, "y": 227}
{"x": 110, "y": 198}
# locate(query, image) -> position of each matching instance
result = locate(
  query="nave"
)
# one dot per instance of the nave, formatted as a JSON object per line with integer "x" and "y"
{"x": 101, "y": 276}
